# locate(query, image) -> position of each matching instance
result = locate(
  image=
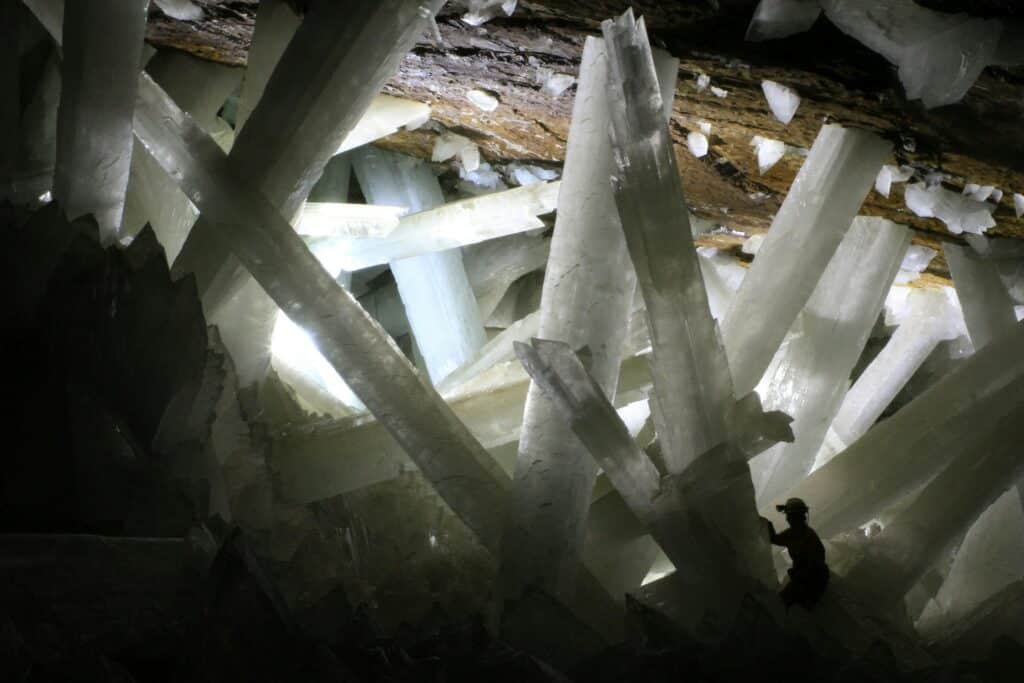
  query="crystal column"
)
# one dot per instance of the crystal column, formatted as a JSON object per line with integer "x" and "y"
{"x": 810, "y": 374}
{"x": 817, "y": 211}
{"x": 100, "y": 74}
{"x": 897, "y": 456}
{"x": 929, "y": 321}
{"x": 987, "y": 306}
{"x": 588, "y": 289}
{"x": 435, "y": 290}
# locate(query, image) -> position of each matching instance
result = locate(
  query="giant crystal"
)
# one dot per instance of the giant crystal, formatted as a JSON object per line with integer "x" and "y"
{"x": 362, "y": 353}
{"x": 102, "y": 43}
{"x": 928, "y": 321}
{"x": 435, "y": 290}
{"x": 817, "y": 211}
{"x": 810, "y": 374}
{"x": 153, "y": 197}
{"x": 977, "y": 475}
{"x": 987, "y": 306}
{"x": 339, "y": 58}
{"x": 692, "y": 384}
{"x": 588, "y": 289}
{"x": 899, "y": 455}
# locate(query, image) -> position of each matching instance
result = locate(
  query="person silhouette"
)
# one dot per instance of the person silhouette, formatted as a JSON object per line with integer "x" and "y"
{"x": 808, "y": 577}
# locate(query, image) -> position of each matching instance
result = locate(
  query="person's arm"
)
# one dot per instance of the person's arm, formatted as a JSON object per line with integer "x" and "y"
{"x": 775, "y": 538}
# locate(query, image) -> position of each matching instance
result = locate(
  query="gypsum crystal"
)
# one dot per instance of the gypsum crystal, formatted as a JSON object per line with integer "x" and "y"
{"x": 435, "y": 290}
{"x": 987, "y": 306}
{"x": 898, "y": 455}
{"x": 430, "y": 229}
{"x": 781, "y": 18}
{"x": 587, "y": 292}
{"x": 445, "y": 451}
{"x": 977, "y": 474}
{"x": 927, "y": 323}
{"x": 102, "y": 44}
{"x": 810, "y": 373}
{"x": 817, "y": 211}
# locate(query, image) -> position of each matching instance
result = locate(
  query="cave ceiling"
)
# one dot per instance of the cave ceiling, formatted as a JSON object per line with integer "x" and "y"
{"x": 978, "y": 140}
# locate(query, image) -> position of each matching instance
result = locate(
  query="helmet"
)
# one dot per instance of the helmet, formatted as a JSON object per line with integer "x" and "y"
{"x": 794, "y": 506}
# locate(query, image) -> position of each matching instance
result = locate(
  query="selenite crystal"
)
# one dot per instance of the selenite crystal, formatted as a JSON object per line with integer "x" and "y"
{"x": 990, "y": 558}
{"x": 364, "y": 356}
{"x": 809, "y": 375}
{"x": 929, "y": 320}
{"x": 768, "y": 152}
{"x": 692, "y": 383}
{"x": 449, "y": 226}
{"x": 987, "y": 306}
{"x": 782, "y": 100}
{"x": 898, "y": 455}
{"x": 780, "y": 18}
{"x": 807, "y": 230}
{"x": 435, "y": 290}
{"x": 959, "y": 213}
{"x": 977, "y": 474}
{"x": 102, "y": 44}
{"x": 588, "y": 289}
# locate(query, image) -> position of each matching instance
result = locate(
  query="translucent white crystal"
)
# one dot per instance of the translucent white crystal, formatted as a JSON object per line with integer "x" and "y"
{"x": 448, "y": 145}
{"x": 782, "y": 100}
{"x": 990, "y": 558}
{"x": 1018, "y": 204}
{"x": 481, "y": 181}
{"x": 889, "y": 175}
{"x": 324, "y": 219}
{"x": 781, "y": 18}
{"x": 914, "y": 263}
{"x": 704, "y": 127}
{"x": 497, "y": 350}
{"x": 768, "y": 152}
{"x": 292, "y": 346}
{"x": 481, "y": 11}
{"x": 929, "y": 319}
{"x": 555, "y": 84}
{"x": 276, "y": 23}
{"x": 525, "y": 174}
{"x": 987, "y": 306}
{"x": 182, "y": 10}
{"x": 808, "y": 377}
{"x": 752, "y": 244}
{"x": 385, "y": 116}
{"x": 978, "y": 193}
{"x": 371, "y": 364}
{"x": 103, "y": 41}
{"x": 698, "y": 144}
{"x": 434, "y": 287}
{"x": 588, "y": 289}
{"x": 469, "y": 159}
{"x": 954, "y": 416}
{"x": 482, "y": 100}
{"x": 959, "y": 213}
{"x": 822, "y": 201}
{"x": 720, "y": 93}
{"x": 939, "y": 55}
{"x": 703, "y": 81}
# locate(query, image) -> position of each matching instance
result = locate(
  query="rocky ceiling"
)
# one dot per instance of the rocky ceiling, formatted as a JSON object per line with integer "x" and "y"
{"x": 979, "y": 140}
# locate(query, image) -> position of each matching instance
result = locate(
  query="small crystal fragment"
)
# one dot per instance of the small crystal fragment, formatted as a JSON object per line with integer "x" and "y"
{"x": 555, "y": 84}
{"x": 698, "y": 144}
{"x": 704, "y": 127}
{"x": 182, "y": 10}
{"x": 782, "y": 100}
{"x": 780, "y": 18}
{"x": 959, "y": 213}
{"x": 481, "y": 11}
{"x": 768, "y": 151}
{"x": 889, "y": 175}
{"x": 482, "y": 100}
{"x": 720, "y": 93}
{"x": 914, "y": 263}
{"x": 1018, "y": 204}
{"x": 703, "y": 81}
